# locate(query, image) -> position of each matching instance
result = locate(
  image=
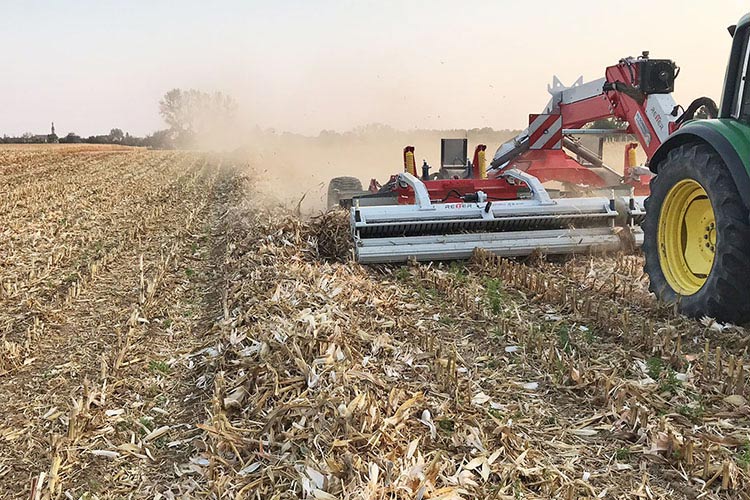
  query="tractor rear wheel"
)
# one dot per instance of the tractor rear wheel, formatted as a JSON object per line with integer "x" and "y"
{"x": 339, "y": 186}
{"x": 697, "y": 236}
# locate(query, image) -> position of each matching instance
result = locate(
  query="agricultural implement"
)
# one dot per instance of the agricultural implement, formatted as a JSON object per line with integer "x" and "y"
{"x": 506, "y": 206}
{"x": 690, "y": 209}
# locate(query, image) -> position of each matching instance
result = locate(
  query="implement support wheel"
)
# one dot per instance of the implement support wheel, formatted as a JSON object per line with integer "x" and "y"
{"x": 340, "y": 187}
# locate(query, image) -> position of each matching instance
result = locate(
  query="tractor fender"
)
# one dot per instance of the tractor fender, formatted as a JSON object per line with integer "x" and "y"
{"x": 694, "y": 133}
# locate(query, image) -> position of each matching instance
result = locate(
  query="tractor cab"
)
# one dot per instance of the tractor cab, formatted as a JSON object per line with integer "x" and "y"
{"x": 735, "y": 102}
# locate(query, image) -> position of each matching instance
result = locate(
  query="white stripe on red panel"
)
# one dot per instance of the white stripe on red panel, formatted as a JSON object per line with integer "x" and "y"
{"x": 545, "y": 131}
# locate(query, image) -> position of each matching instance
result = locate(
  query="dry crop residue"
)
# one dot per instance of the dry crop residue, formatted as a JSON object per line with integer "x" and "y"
{"x": 494, "y": 379}
{"x": 165, "y": 336}
{"x": 106, "y": 289}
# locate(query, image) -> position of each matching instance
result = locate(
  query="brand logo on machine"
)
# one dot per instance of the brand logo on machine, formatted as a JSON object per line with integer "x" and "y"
{"x": 656, "y": 118}
{"x": 642, "y": 128}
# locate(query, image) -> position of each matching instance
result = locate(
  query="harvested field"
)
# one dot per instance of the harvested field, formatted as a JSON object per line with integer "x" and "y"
{"x": 164, "y": 335}
{"x": 106, "y": 287}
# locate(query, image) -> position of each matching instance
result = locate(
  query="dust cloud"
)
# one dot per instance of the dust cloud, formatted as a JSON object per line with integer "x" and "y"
{"x": 295, "y": 169}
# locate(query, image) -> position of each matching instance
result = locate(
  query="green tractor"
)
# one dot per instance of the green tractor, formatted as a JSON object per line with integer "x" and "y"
{"x": 697, "y": 226}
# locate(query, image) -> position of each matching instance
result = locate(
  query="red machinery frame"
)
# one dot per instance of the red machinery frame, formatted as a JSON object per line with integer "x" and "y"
{"x": 619, "y": 97}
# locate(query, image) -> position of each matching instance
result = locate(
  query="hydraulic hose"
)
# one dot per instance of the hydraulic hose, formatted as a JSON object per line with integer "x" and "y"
{"x": 689, "y": 114}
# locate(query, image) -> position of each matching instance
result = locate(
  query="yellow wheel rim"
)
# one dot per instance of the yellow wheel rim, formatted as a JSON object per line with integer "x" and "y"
{"x": 687, "y": 237}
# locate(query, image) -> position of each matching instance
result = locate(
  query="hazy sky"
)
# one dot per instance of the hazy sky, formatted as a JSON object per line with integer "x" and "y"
{"x": 311, "y": 65}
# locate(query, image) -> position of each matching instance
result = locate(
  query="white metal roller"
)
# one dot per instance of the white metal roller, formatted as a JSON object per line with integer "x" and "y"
{"x": 448, "y": 231}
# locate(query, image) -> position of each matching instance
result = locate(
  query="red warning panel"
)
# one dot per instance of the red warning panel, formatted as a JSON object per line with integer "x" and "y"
{"x": 545, "y": 131}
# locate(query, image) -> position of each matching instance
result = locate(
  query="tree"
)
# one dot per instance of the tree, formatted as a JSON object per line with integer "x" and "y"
{"x": 610, "y": 123}
{"x": 176, "y": 110}
{"x": 193, "y": 113}
{"x": 71, "y": 138}
{"x": 161, "y": 139}
{"x": 116, "y": 135}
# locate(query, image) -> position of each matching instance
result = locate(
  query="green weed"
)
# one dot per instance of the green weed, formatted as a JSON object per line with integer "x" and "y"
{"x": 447, "y": 321}
{"x": 159, "y": 367}
{"x": 694, "y": 413}
{"x": 743, "y": 456}
{"x": 446, "y": 424}
{"x": 402, "y": 273}
{"x": 458, "y": 271}
{"x": 494, "y": 295}
{"x": 564, "y": 337}
{"x": 622, "y": 454}
{"x": 147, "y": 422}
{"x": 654, "y": 367}
{"x": 670, "y": 383}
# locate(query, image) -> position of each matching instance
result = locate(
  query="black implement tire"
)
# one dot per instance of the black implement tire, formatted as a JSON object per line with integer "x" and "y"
{"x": 340, "y": 185}
{"x": 725, "y": 293}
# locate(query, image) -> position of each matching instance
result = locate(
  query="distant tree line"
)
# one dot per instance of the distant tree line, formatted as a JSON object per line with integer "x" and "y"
{"x": 191, "y": 115}
{"x": 28, "y": 138}
{"x": 157, "y": 140}
{"x": 160, "y": 139}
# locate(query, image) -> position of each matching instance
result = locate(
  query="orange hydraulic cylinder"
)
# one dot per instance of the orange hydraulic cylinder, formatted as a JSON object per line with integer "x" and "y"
{"x": 631, "y": 159}
{"x": 410, "y": 164}
{"x": 480, "y": 162}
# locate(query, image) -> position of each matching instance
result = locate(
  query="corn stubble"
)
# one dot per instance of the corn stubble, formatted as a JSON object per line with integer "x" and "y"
{"x": 247, "y": 356}
{"x": 498, "y": 379}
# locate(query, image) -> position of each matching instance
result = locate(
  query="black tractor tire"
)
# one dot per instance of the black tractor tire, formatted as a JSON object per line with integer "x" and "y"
{"x": 339, "y": 186}
{"x": 725, "y": 294}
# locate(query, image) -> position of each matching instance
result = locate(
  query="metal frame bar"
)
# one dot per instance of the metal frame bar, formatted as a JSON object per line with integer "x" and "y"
{"x": 595, "y": 131}
{"x": 507, "y": 244}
